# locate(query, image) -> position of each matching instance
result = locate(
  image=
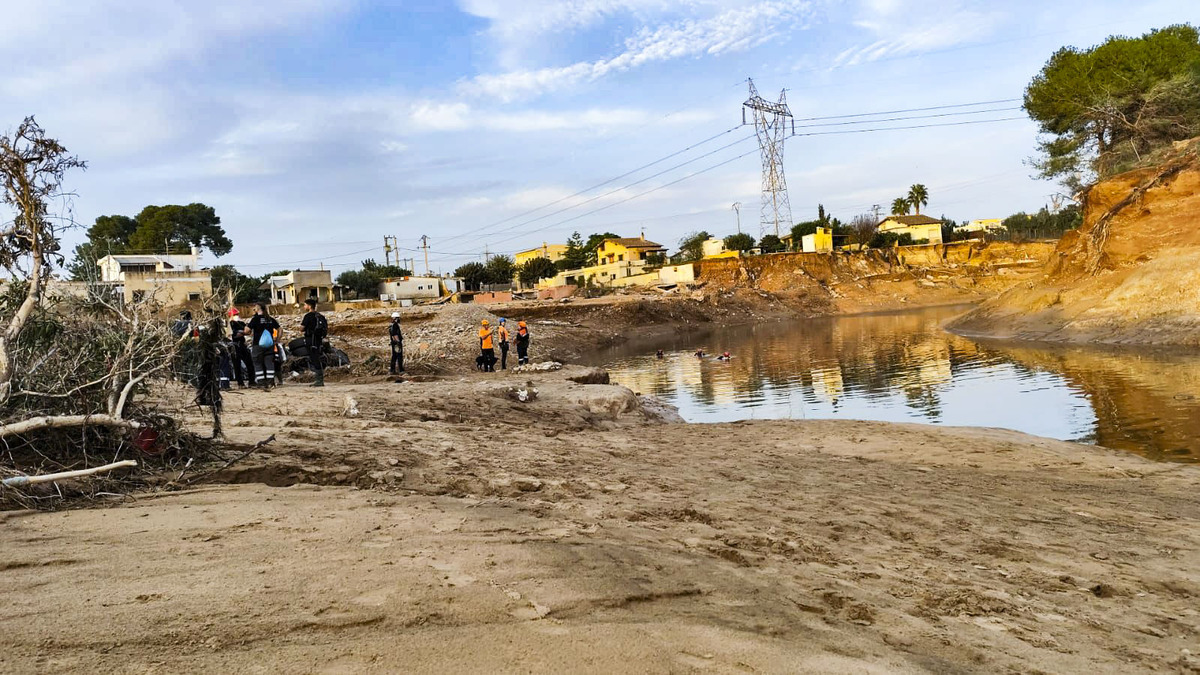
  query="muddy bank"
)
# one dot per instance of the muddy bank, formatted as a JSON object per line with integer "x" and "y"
{"x": 448, "y": 527}
{"x": 1129, "y": 275}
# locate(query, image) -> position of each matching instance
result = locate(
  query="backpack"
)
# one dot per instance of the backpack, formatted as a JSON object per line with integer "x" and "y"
{"x": 265, "y": 340}
{"x": 321, "y": 330}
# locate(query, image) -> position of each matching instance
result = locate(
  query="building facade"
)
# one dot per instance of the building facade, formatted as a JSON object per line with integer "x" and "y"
{"x": 410, "y": 288}
{"x": 922, "y": 229}
{"x": 297, "y": 286}
{"x": 552, "y": 252}
{"x": 167, "y": 279}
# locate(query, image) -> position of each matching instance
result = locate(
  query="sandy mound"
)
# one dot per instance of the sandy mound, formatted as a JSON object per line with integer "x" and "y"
{"x": 1130, "y": 274}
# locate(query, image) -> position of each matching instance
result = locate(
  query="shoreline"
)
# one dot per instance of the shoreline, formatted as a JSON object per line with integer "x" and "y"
{"x": 583, "y": 529}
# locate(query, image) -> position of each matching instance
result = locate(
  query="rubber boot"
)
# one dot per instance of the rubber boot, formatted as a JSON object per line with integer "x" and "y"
{"x": 319, "y": 381}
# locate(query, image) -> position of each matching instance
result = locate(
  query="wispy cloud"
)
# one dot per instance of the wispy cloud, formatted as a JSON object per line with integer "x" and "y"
{"x": 731, "y": 30}
{"x": 904, "y": 27}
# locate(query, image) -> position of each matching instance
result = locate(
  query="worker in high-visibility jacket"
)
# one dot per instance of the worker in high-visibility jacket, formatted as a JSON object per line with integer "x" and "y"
{"x": 522, "y": 343}
{"x": 487, "y": 350}
{"x": 502, "y": 336}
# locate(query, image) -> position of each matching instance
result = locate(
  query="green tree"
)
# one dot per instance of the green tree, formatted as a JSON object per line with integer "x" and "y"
{"x": 500, "y": 270}
{"x": 178, "y": 228}
{"x": 575, "y": 257}
{"x": 593, "y": 245}
{"x": 1103, "y": 108}
{"x": 473, "y": 274}
{"x": 799, "y": 230}
{"x": 770, "y": 244}
{"x": 245, "y": 288}
{"x": 901, "y": 206}
{"x": 739, "y": 242}
{"x": 691, "y": 246}
{"x": 365, "y": 280}
{"x": 535, "y": 269}
{"x": 918, "y": 196}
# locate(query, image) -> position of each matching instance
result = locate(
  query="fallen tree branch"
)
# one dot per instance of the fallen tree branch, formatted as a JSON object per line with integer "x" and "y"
{"x": 17, "y": 481}
{"x": 64, "y": 421}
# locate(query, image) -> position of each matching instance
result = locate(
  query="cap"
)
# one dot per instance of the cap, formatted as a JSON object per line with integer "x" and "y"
{"x": 502, "y": 319}
{"x": 484, "y": 322}
{"x": 233, "y": 311}
{"x": 521, "y": 324}
{"x": 395, "y": 315}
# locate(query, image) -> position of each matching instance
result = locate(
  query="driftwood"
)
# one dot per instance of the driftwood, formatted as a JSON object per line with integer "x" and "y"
{"x": 18, "y": 481}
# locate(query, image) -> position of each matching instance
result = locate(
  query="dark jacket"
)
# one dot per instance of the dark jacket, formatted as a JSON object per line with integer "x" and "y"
{"x": 315, "y": 326}
{"x": 394, "y": 332}
{"x": 237, "y": 331}
{"x": 259, "y": 323}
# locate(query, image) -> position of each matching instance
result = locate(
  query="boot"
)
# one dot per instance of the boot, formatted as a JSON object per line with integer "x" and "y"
{"x": 319, "y": 381}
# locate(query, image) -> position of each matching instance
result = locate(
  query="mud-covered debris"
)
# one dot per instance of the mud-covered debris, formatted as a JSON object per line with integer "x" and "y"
{"x": 592, "y": 376}
{"x": 543, "y": 367}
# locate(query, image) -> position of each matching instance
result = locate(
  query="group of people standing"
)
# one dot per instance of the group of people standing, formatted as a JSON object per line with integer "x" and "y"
{"x": 260, "y": 363}
{"x": 488, "y": 337}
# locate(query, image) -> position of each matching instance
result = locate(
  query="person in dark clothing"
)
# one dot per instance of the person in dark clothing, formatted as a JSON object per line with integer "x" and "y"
{"x": 316, "y": 327}
{"x": 502, "y": 337}
{"x": 397, "y": 340}
{"x": 522, "y": 343}
{"x": 182, "y": 325}
{"x": 208, "y": 377}
{"x": 262, "y": 345}
{"x": 243, "y": 365}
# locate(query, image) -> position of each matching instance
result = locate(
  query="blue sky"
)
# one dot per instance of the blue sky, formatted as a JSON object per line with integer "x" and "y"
{"x": 317, "y": 127}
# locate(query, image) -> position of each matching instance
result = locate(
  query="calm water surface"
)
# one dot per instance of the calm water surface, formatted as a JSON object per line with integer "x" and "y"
{"x": 905, "y": 368}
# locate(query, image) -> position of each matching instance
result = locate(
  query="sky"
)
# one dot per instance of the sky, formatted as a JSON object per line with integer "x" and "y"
{"x": 315, "y": 128}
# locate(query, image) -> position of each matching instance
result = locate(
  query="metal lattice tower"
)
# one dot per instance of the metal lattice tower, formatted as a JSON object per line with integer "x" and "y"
{"x": 771, "y": 122}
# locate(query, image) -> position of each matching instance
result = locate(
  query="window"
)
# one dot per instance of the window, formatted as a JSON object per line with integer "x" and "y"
{"x": 621, "y": 257}
{"x": 192, "y": 297}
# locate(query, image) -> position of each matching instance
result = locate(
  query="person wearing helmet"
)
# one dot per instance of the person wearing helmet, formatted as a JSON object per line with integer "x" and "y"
{"x": 502, "y": 336}
{"x": 487, "y": 347}
{"x": 397, "y": 340}
{"x": 522, "y": 343}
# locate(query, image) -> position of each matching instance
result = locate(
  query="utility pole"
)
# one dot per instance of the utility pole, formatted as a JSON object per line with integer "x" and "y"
{"x": 487, "y": 257}
{"x": 771, "y": 120}
{"x": 389, "y": 246}
{"x": 737, "y": 208}
{"x": 425, "y": 245}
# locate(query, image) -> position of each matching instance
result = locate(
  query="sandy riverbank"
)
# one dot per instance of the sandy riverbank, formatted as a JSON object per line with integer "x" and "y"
{"x": 447, "y": 527}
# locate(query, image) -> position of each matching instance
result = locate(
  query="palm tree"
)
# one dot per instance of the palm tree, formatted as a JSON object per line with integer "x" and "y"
{"x": 918, "y": 196}
{"x": 900, "y": 206}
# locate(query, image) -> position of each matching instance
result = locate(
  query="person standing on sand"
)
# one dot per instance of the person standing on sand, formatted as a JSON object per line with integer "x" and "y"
{"x": 316, "y": 327}
{"x": 522, "y": 343}
{"x": 243, "y": 365}
{"x": 262, "y": 345}
{"x": 502, "y": 335}
{"x": 397, "y": 340}
{"x": 486, "y": 348}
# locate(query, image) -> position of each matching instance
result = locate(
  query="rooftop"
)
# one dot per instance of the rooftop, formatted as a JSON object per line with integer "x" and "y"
{"x": 635, "y": 242}
{"x": 912, "y": 220}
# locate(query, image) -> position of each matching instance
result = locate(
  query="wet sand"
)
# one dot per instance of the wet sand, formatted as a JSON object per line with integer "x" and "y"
{"x": 449, "y": 528}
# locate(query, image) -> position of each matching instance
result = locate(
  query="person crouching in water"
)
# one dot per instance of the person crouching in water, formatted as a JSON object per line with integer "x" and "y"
{"x": 487, "y": 350}
{"x": 397, "y": 340}
{"x": 262, "y": 346}
{"x": 502, "y": 336}
{"x": 522, "y": 343}
{"x": 316, "y": 327}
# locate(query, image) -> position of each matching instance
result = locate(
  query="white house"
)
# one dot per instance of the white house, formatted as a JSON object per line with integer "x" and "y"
{"x": 410, "y": 288}
{"x": 113, "y": 268}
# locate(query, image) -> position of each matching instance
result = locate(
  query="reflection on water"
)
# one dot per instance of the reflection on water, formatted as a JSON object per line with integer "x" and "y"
{"x": 905, "y": 368}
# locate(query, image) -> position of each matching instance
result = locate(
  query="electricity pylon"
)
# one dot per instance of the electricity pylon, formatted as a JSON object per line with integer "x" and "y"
{"x": 771, "y": 122}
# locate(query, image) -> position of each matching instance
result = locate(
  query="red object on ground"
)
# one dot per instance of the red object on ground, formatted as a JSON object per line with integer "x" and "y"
{"x": 146, "y": 440}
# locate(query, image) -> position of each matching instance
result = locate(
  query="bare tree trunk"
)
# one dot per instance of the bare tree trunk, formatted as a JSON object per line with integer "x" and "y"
{"x": 33, "y": 295}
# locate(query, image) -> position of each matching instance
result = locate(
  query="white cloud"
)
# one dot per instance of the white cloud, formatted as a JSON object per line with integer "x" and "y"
{"x": 732, "y": 30}
{"x": 903, "y": 27}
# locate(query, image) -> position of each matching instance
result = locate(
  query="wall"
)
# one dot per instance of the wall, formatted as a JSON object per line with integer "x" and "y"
{"x": 168, "y": 288}
{"x": 777, "y": 272}
{"x": 556, "y": 293}
{"x": 412, "y": 288}
{"x": 677, "y": 274}
{"x": 490, "y": 298}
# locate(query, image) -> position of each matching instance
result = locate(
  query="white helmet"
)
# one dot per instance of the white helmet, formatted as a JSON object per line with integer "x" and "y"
{"x": 395, "y": 315}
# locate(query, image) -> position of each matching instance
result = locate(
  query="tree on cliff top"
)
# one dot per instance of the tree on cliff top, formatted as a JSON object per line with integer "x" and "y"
{"x": 1103, "y": 109}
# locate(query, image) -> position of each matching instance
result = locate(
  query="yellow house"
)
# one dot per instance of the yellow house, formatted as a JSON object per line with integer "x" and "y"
{"x": 820, "y": 241}
{"x": 921, "y": 228}
{"x": 626, "y": 249}
{"x": 984, "y": 225}
{"x": 552, "y": 252}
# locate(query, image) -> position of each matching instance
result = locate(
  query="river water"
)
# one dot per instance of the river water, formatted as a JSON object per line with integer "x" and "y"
{"x": 904, "y": 367}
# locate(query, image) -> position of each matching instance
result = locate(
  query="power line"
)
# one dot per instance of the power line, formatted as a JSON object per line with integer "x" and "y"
{"x": 597, "y": 185}
{"x": 914, "y": 126}
{"x": 908, "y": 110}
{"x": 909, "y": 117}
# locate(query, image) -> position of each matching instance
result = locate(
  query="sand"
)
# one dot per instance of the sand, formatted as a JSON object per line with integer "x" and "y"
{"x": 449, "y": 528}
